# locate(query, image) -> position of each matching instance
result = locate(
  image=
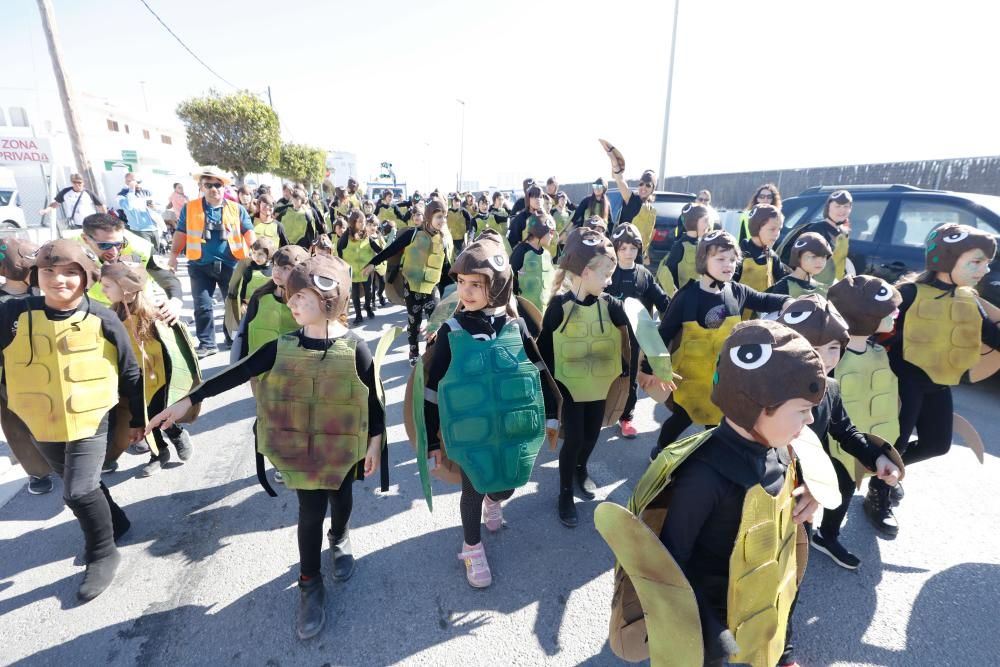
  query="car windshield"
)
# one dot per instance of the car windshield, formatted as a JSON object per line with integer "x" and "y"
{"x": 5, "y": 196}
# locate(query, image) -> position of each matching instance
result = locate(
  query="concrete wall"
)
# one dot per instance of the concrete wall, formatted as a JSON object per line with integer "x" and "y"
{"x": 977, "y": 174}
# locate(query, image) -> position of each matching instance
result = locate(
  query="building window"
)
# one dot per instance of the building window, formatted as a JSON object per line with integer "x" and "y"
{"x": 18, "y": 117}
{"x": 145, "y": 134}
{"x": 112, "y": 125}
{"x": 166, "y": 139}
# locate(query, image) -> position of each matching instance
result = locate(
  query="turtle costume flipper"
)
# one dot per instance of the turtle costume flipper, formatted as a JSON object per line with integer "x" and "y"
{"x": 860, "y": 471}
{"x": 394, "y": 280}
{"x": 444, "y": 310}
{"x": 989, "y": 361}
{"x": 664, "y": 592}
{"x": 447, "y": 471}
{"x": 615, "y": 155}
{"x": 614, "y": 405}
{"x": 529, "y": 311}
{"x": 647, "y": 334}
{"x": 817, "y": 469}
{"x": 231, "y": 321}
{"x": 969, "y": 435}
{"x": 384, "y": 343}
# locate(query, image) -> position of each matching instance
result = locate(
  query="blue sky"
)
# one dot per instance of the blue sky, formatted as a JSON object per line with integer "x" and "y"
{"x": 774, "y": 83}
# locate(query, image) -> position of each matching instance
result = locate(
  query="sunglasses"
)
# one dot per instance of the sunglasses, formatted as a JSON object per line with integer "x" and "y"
{"x": 214, "y": 186}
{"x": 104, "y": 246}
{"x": 645, "y": 185}
{"x": 701, "y": 200}
{"x": 765, "y": 195}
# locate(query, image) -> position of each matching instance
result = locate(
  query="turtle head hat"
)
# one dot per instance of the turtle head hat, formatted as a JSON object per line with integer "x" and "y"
{"x": 130, "y": 278}
{"x": 808, "y": 242}
{"x": 626, "y": 233}
{"x": 434, "y": 206}
{"x": 487, "y": 257}
{"x": 596, "y": 223}
{"x": 67, "y": 251}
{"x": 950, "y": 241}
{"x": 721, "y": 241}
{"x": 762, "y": 365}
{"x": 16, "y": 258}
{"x": 760, "y": 216}
{"x": 290, "y": 255}
{"x": 816, "y": 319}
{"x": 582, "y": 246}
{"x": 840, "y": 197}
{"x": 539, "y": 225}
{"x": 328, "y": 277}
{"x": 864, "y": 302}
{"x": 691, "y": 214}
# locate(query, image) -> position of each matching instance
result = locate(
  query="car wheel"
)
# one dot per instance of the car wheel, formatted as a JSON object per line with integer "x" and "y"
{"x": 9, "y": 224}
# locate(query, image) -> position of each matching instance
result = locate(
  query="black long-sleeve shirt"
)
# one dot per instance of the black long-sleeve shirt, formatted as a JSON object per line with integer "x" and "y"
{"x": 782, "y": 286}
{"x": 757, "y": 254}
{"x": 263, "y": 359}
{"x": 478, "y": 324}
{"x": 904, "y": 370}
{"x": 247, "y": 276}
{"x": 129, "y": 371}
{"x": 165, "y": 278}
{"x": 709, "y": 308}
{"x": 638, "y": 283}
{"x": 709, "y": 489}
{"x": 515, "y": 230}
{"x": 517, "y": 260}
{"x": 683, "y": 244}
{"x": 552, "y": 320}
{"x": 830, "y": 418}
{"x": 392, "y": 207}
{"x": 403, "y": 239}
{"x": 344, "y": 238}
{"x": 581, "y": 210}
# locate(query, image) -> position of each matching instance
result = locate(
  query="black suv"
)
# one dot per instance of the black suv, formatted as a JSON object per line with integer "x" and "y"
{"x": 668, "y": 207}
{"x": 889, "y": 224}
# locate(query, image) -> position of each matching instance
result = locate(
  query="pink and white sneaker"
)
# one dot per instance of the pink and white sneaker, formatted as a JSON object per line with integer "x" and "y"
{"x": 493, "y": 514}
{"x": 627, "y": 430}
{"x": 477, "y": 569}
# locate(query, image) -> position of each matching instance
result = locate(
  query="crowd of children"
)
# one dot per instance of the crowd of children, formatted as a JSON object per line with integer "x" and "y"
{"x": 793, "y": 365}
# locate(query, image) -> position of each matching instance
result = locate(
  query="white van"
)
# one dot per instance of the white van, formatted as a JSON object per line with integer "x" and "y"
{"x": 11, "y": 215}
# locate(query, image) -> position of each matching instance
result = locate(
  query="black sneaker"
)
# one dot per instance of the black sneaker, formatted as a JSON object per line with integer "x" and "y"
{"x": 585, "y": 485}
{"x": 182, "y": 441}
{"x": 835, "y": 550}
{"x": 358, "y": 319}
{"x": 109, "y": 467}
{"x": 878, "y": 508}
{"x": 39, "y": 485}
{"x": 203, "y": 351}
{"x": 155, "y": 463}
{"x": 896, "y": 493}
{"x": 370, "y": 313}
{"x": 567, "y": 509}
{"x": 341, "y": 555}
{"x": 312, "y": 607}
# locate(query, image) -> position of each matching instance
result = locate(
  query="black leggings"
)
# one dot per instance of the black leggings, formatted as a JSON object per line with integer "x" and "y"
{"x": 629, "y": 412}
{"x": 78, "y": 463}
{"x": 471, "y": 507}
{"x": 581, "y": 428}
{"x": 312, "y": 513}
{"x": 378, "y": 286}
{"x": 418, "y": 306}
{"x": 676, "y": 424}
{"x": 928, "y": 409}
{"x": 155, "y": 407}
{"x": 356, "y": 289}
{"x": 834, "y": 519}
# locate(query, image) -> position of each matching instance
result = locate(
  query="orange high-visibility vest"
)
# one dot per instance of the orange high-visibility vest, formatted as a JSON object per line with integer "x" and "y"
{"x": 238, "y": 241}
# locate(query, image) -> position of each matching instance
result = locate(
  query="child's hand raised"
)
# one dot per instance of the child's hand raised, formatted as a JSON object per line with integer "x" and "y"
{"x": 168, "y": 417}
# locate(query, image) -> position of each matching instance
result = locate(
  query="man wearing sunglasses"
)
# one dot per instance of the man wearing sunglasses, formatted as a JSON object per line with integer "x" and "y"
{"x": 214, "y": 234}
{"x": 106, "y": 236}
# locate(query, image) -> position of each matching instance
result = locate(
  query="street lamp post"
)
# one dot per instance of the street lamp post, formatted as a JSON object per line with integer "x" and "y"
{"x": 670, "y": 86}
{"x": 461, "y": 148}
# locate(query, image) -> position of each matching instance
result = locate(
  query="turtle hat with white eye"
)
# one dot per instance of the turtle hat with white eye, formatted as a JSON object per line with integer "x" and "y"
{"x": 950, "y": 241}
{"x": 764, "y": 364}
{"x": 329, "y": 277}
{"x": 864, "y": 301}
{"x": 816, "y": 319}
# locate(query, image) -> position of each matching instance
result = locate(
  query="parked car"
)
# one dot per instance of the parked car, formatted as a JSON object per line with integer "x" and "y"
{"x": 668, "y": 207}
{"x": 889, "y": 224}
{"x": 11, "y": 213}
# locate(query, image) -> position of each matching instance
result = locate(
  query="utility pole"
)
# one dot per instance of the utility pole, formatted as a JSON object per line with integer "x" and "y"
{"x": 270, "y": 102}
{"x": 666, "y": 113}
{"x": 66, "y": 93}
{"x": 461, "y": 149}
{"x": 145, "y": 101}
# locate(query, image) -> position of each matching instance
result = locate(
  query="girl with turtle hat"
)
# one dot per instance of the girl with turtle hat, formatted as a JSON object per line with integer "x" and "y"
{"x": 835, "y": 228}
{"x": 678, "y": 267}
{"x": 385, "y": 210}
{"x": 299, "y": 221}
{"x": 267, "y": 315}
{"x": 425, "y": 258}
{"x": 265, "y": 226}
{"x": 938, "y": 337}
{"x": 378, "y": 279}
{"x": 531, "y": 263}
{"x": 299, "y": 410}
{"x": 517, "y": 229}
{"x": 16, "y": 258}
{"x": 700, "y": 317}
{"x": 248, "y": 277}
{"x": 488, "y": 218}
{"x": 563, "y": 217}
{"x": 596, "y": 203}
{"x": 460, "y": 395}
{"x": 459, "y": 222}
{"x": 356, "y": 247}
{"x": 631, "y": 280}
{"x": 166, "y": 354}
{"x": 584, "y": 342}
{"x": 727, "y": 506}
{"x": 766, "y": 195}
{"x": 761, "y": 267}
{"x": 809, "y": 256}
{"x": 45, "y": 336}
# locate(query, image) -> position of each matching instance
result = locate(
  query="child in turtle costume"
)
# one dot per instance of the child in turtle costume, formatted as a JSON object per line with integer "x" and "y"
{"x": 248, "y": 276}
{"x": 761, "y": 268}
{"x": 939, "y": 335}
{"x": 695, "y": 326}
{"x": 267, "y": 315}
{"x": 585, "y": 344}
{"x": 834, "y": 228}
{"x": 678, "y": 267}
{"x": 356, "y": 247}
{"x": 166, "y": 353}
{"x": 319, "y": 419}
{"x": 710, "y": 550}
{"x": 531, "y": 264}
{"x": 486, "y": 400}
{"x": 633, "y": 281}
{"x": 822, "y": 325}
{"x": 808, "y": 257}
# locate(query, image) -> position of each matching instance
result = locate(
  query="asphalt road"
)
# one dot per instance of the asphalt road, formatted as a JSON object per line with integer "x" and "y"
{"x": 210, "y": 564}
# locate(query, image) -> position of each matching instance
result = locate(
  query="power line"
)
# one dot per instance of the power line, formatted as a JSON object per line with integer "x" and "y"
{"x": 186, "y": 47}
